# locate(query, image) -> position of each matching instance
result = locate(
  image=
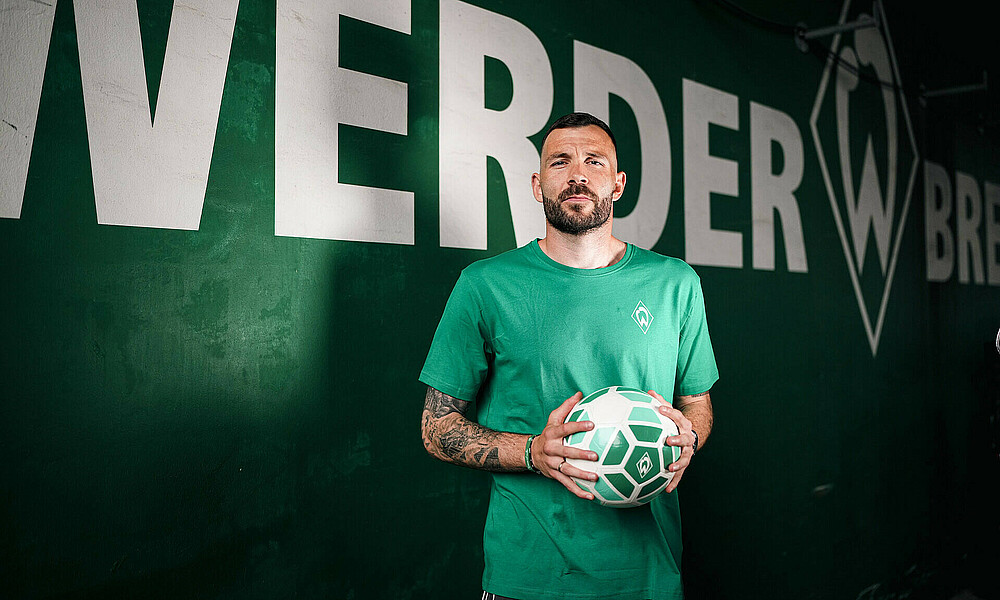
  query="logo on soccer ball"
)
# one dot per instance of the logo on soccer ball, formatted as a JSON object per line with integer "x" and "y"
{"x": 642, "y": 316}
{"x": 868, "y": 157}
{"x": 644, "y": 465}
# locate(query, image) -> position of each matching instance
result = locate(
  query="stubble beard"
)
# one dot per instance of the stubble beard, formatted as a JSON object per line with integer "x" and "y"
{"x": 572, "y": 218}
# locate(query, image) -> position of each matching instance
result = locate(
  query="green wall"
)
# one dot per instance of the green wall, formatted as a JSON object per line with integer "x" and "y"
{"x": 227, "y": 413}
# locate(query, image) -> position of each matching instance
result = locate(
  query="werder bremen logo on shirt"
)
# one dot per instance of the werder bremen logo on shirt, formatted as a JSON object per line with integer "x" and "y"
{"x": 642, "y": 316}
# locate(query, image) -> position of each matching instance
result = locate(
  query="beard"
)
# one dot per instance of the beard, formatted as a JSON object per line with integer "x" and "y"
{"x": 573, "y": 219}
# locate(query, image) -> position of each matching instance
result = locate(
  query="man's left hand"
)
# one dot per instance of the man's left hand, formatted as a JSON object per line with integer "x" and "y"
{"x": 685, "y": 441}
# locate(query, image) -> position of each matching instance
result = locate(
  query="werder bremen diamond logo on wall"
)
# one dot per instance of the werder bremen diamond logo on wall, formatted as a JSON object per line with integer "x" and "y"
{"x": 868, "y": 156}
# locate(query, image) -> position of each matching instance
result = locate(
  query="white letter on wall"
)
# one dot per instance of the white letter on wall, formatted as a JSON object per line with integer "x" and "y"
{"x": 152, "y": 172}
{"x": 313, "y": 95}
{"x": 866, "y": 208}
{"x": 25, "y": 31}
{"x": 772, "y": 193}
{"x": 598, "y": 73}
{"x": 940, "y": 256}
{"x": 991, "y": 193}
{"x": 967, "y": 219}
{"x": 469, "y": 132}
{"x": 705, "y": 174}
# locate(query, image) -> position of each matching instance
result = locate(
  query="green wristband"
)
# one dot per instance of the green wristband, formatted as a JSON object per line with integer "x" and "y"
{"x": 527, "y": 455}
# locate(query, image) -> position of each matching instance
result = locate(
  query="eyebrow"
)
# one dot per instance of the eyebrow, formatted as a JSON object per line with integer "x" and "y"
{"x": 589, "y": 154}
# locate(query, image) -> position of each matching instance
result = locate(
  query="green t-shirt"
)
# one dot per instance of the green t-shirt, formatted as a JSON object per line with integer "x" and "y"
{"x": 520, "y": 334}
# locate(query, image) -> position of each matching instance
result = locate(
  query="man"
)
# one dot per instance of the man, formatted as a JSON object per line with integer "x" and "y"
{"x": 524, "y": 330}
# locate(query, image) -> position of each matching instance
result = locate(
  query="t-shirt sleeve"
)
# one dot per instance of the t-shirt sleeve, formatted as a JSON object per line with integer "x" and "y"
{"x": 456, "y": 363}
{"x": 696, "y": 367}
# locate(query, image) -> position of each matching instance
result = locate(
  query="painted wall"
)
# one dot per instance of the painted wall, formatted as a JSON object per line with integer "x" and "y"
{"x": 229, "y": 229}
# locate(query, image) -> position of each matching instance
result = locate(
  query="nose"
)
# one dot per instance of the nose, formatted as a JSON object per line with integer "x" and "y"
{"x": 577, "y": 176}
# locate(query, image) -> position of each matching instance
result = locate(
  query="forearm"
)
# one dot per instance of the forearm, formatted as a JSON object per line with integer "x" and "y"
{"x": 455, "y": 439}
{"x": 698, "y": 410}
{"x": 449, "y": 436}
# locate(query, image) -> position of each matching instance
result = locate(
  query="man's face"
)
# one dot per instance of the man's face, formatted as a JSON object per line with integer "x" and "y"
{"x": 578, "y": 182}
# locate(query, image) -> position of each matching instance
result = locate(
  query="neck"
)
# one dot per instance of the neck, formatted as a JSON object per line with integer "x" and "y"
{"x": 592, "y": 250}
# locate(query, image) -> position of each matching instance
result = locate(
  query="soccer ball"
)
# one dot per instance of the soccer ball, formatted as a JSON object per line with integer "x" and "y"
{"x": 628, "y": 438}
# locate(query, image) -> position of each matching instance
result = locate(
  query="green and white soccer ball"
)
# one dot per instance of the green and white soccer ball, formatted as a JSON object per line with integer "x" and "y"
{"x": 628, "y": 438}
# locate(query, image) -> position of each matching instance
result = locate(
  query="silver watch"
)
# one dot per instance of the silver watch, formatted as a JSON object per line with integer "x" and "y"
{"x": 694, "y": 447}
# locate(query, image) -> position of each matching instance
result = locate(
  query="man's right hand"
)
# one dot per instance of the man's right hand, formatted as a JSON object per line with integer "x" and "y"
{"x": 549, "y": 455}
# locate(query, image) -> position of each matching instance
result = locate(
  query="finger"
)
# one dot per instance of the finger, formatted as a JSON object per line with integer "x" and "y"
{"x": 674, "y": 482}
{"x": 571, "y": 471}
{"x": 554, "y": 448}
{"x": 580, "y": 453}
{"x": 681, "y": 463}
{"x": 565, "y": 429}
{"x": 658, "y": 397}
{"x": 684, "y": 439}
{"x": 682, "y": 422}
{"x": 572, "y": 487}
{"x": 683, "y": 460}
{"x": 669, "y": 411}
{"x": 559, "y": 414}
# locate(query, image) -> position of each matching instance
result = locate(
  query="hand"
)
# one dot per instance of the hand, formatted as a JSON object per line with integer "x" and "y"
{"x": 549, "y": 455}
{"x": 685, "y": 440}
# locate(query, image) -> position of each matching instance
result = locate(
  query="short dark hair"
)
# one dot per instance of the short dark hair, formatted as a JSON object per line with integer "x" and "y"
{"x": 580, "y": 119}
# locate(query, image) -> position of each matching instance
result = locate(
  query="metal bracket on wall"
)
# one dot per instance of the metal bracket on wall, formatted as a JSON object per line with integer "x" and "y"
{"x": 803, "y": 34}
{"x": 950, "y": 91}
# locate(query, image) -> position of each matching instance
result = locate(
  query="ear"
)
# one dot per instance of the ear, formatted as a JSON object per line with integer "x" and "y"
{"x": 536, "y": 187}
{"x": 619, "y": 186}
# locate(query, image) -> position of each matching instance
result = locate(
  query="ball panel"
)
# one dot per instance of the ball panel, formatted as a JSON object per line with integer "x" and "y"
{"x": 602, "y": 489}
{"x": 593, "y": 395}
{"x": 602, "y": 436}
{"x": 608, "y": 410}
{"x": 646, "y": 433}
{"x": 641, "y": 413}
{"x": 654, "y": 487}
{"x": 636, "y": 395}
{"x": 619, "y": 448}
{"x": 621, "y": 388}
{"x": 643, "y": 464}
{"x": 621, "y": 483}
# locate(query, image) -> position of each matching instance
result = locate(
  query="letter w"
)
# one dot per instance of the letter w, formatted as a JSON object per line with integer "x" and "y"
{"x": 152, "y": 172}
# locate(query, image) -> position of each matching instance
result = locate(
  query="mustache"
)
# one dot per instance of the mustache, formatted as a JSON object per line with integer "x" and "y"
{"x": 577, "y": 189}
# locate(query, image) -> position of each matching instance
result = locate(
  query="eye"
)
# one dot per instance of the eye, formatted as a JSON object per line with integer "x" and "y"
{"x": 557, "y": 163}
{"x": 594, "y": 161}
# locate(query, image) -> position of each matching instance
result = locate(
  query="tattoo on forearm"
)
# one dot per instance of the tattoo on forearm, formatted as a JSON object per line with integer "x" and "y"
{"x": 457, "y": 439}
{"x": 440, "y": 404}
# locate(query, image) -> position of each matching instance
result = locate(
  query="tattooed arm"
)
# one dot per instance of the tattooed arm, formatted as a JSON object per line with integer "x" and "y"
{"x": 450, "y": 436}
